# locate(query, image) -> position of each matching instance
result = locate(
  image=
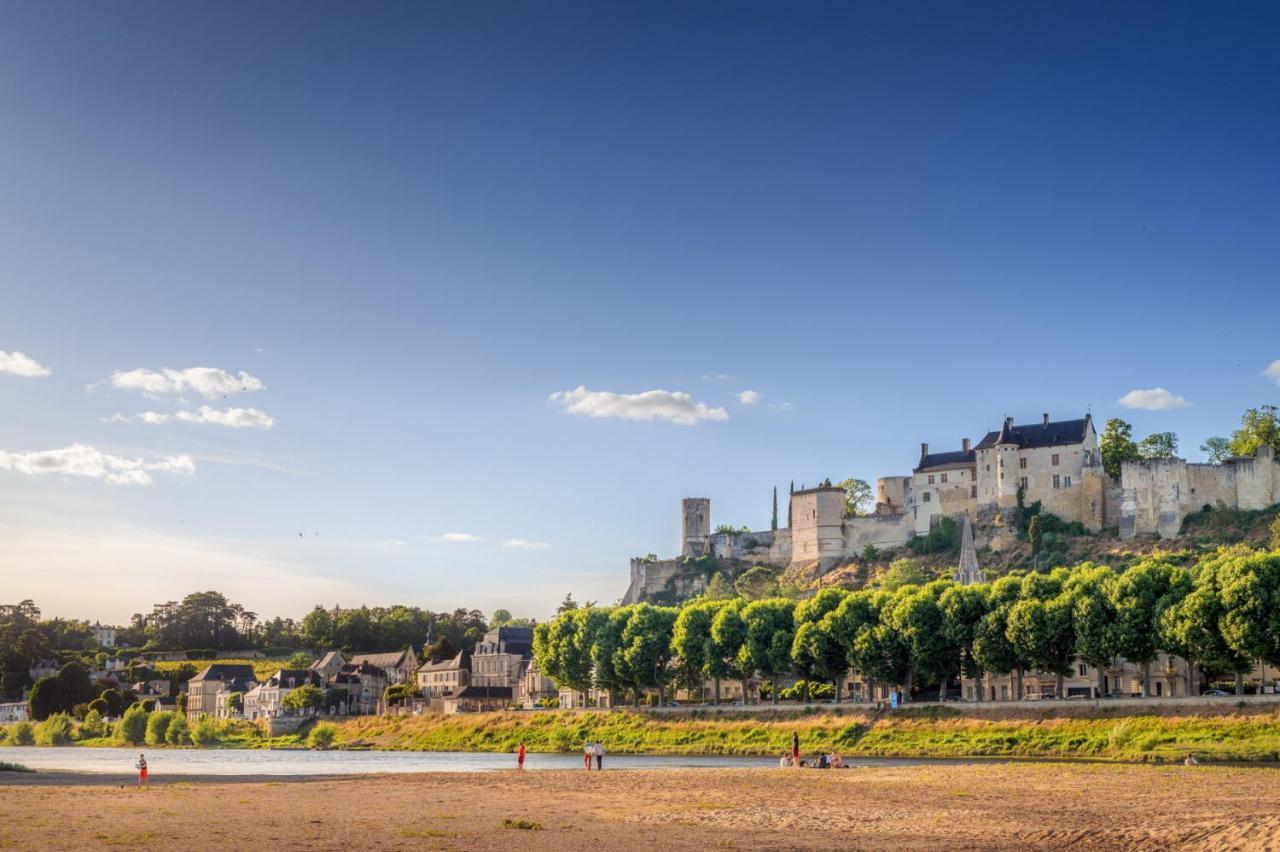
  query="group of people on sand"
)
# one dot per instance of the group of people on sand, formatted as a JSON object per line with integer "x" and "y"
{"x": 825, "y": 760}
{"x": 593, "y": 751}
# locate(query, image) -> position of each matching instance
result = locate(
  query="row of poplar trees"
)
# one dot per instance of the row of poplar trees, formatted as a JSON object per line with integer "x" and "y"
{"x": 1221, "y": 614}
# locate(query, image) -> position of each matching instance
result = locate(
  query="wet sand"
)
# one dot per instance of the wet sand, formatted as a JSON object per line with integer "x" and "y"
{"x": 970, "y": 806}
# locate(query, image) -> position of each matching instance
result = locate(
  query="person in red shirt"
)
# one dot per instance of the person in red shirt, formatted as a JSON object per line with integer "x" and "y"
{"x": 142, "y": 770}
{"x": 520, "y": 757}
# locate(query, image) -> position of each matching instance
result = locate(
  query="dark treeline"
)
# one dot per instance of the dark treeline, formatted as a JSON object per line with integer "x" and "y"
{"x": 1221, "y": 613}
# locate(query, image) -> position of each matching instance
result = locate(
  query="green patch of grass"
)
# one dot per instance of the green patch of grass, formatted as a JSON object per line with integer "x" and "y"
{"x": 6, "y": 766}
{"x": 522, "y": 824}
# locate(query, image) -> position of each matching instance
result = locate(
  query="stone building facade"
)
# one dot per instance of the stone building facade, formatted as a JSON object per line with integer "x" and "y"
{"x": 1158, "y": 494}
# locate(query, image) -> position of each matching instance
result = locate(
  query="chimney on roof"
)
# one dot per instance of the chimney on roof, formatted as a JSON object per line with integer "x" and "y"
{"x": 1008, "y": 422}
{"x": 964, "y": 445}
{"x": 924, "y": 449}
{"x": 1046, "y": 418}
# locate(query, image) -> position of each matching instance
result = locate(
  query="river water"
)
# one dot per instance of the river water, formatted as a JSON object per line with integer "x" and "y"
{"x": 301, "y": 762}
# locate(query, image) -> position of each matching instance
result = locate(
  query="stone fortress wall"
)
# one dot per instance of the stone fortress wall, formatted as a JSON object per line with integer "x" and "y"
{"x": 1055, "y": 463}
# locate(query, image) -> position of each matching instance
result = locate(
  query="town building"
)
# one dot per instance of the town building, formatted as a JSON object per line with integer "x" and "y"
{"x": 14, "y": 711}
{"x": 208, "y": 691}
{"x": 445, "y": 678}
{"x": 498, "y": 659}
{"x": 397, "y": 666}
{"x": 265, "y": 701}
{"x": 104, "y": 635}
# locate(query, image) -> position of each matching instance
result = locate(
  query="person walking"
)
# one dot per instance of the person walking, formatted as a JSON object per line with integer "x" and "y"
{"x": 599, "y": 750}
{"x": 520, "y": 756}
{"x": 587, "y": 751}
{"x": 141, "y": 766}
{"x": 795, "y": 748}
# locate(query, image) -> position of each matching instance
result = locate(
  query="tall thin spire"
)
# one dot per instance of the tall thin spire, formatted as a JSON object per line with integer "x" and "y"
{"x": 773, "y": 521}
{"x": 968, "y": 572}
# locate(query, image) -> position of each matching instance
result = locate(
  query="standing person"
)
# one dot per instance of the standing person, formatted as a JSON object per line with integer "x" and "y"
{"x": 141, "y": 766}
{"x": 520, "y": 757}
{"x": 795, "y": 747}
{"x": 599, "y": 755}
{"x": 587, "y": 751}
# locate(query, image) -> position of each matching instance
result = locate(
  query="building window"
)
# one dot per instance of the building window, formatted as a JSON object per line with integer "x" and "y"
{"x": 1066, "y": 482}
{"x": 973, "y": 491}
{"x": 1022, "y": 483}
{"x": 1057, "y": 481}
{"x": 1083, "y": 669}
{"x": 926, "y": 496}
{"x": 931, "y": 479}
{"x": 1022, "y": 464}
{"x": 944, "y": 477}
{"x": 1054, "y": 460}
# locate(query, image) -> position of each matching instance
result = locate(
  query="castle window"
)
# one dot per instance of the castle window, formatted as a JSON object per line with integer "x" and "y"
{"x": 944, "y": 477}
{"x": 1057, "y": 481}
{"x": 931, "y": 479}
{"x": 1066, "y": 482}
{"x": 1022, "y": 482}
{"x": 1054, "y": 460}
{"x": 973, "y": 491}
{"x": 1022, "y": 464}
{"x": 926, "y": 496}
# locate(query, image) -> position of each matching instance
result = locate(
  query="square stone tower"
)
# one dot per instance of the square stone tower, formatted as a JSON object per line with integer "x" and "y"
{"x": 695, "y": 526}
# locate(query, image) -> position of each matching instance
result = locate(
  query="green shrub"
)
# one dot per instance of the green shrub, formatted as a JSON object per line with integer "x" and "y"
{"x": 93, "y": 726}
{"x": 322, "y": 736}
{"x": 522, "y": 824}
{"x": 21, "y": 733}
{"x": 158, "y": 727}
{"x": 179, "y": 732}
{"x": 56, "y": 730}
{"x": 132, "y": 727}
{"x": 205, "y": 732}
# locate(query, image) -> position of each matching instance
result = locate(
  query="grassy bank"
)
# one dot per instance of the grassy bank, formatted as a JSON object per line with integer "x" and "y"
{"x": 1241, "y": 735}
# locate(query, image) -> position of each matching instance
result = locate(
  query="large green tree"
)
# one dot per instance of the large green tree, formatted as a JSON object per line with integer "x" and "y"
{"x": 1192, "y": 628}
{"x": 1258, "y": 426}
{"x": 1139, "y": 596}
{"x": 963, "y": 609}
{"x": 1250, "y": 594}
{"x": 646, "y": 649}
{"x": 770, "y": 632}
{"x": 1116, "y": 446}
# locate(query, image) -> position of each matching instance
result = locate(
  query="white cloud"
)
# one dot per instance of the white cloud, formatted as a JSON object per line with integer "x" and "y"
{"x": 236, "y": 418}
{"x": 1273, "y": 371}
{"x": 782, "y": 406}
{"x": 84, "y": 460}
{"x": 525, "y": 544}
{"x": 749, "y": 397}
{"x": 673, "y": 406}
{"x": 389, "y": 542}
{"x": 716, "y": 377}
{"x": 460, "y": 537}
{"x": 22, "y": 364}
{"x": 206, "y": 381}
{"x": 1155, "y": 399}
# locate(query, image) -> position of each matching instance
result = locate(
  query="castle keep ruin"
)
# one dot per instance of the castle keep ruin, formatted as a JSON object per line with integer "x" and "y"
{"x": 1056, "y": 463}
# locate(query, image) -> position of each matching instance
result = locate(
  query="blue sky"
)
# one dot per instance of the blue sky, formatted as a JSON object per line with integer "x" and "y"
{"x": 413, "y": 224}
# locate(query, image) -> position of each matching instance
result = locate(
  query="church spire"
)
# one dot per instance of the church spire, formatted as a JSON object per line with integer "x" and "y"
{"x": 968, "y": 572}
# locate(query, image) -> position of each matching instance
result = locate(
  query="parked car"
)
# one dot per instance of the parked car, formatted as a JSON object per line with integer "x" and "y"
{"x": 1215, "y": 693}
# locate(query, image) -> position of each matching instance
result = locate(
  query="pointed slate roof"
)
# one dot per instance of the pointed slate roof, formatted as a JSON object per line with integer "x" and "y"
{"x": 968, "y": 571}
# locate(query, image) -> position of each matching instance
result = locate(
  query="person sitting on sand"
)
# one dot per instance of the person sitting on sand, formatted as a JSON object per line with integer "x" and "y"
{"x": 824, "y": 762}
{"x": 837, "y": 762}
{"x": 141, "y": 766}
{"x": 784, "y": 762}
{"x": 1191, "y": 761}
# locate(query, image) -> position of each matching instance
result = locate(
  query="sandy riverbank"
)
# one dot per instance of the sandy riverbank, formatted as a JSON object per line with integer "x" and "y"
{"x": 992, "y": 806}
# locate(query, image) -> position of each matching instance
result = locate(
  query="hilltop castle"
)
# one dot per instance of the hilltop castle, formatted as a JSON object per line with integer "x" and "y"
{"x": 1054, "y": 462}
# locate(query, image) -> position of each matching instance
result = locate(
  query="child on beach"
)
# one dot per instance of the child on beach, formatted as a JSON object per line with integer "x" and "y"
{"x": 141, "y": 766}
{"x": 520, "y": 757}
{"x": 587, "y": 752}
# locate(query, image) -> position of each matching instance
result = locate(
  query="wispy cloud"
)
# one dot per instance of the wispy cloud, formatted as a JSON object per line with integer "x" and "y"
{"x": 22, "y": 364}
{"x": 389, "y": 542}
{"x": 458, "y": 537}
{"x": 84, "y": 460}
{"x": 749, "y": 397}
{"x": 782, "y": 406}
{"x": 1273, "y": 371}
{"x": 206, "y": 381}
{"x": 236, "y": 418}
{"x": 672, "y": 406}
{"x": 716, "y": 377}
{"x": 525, "y": 544}
{"x": 1154, "y": 399}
